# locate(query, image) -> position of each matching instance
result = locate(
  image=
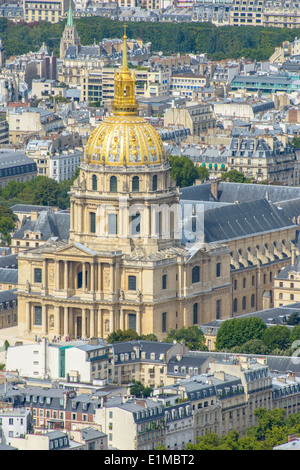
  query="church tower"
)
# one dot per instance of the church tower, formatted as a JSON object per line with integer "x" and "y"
{"x": 70, "y": 35}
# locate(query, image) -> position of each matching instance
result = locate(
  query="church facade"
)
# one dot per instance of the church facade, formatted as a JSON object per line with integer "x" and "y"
{"x": 124, "y": 265}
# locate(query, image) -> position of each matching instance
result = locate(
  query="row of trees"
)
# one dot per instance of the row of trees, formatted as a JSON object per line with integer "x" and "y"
{"x": 39, "y": 191}
{"x": 252, "y": 336}
{"x": 238, "y": 335}
{"x": 256, "y": 43}
{"x": 272, "y": 429}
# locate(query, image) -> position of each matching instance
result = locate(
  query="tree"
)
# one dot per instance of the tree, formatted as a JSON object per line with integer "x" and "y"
{"x": 139, "y": 390}
{"x": 7, "y": 224}
{"x": 238, "y": 331}
{"x": 183, "y": 170}
{"x": 277, "y": 336}
{"x": 235, "y": 176}
{"x": 120, "y": 336}
{"x": 192, "y": 335}
{"x": 203, "y": 173}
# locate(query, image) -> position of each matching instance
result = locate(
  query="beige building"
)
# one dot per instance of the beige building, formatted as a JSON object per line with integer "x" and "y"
{"x": 199, "y": 118}
{"x": 287, "y": 283}
{"x": 52, "y": 11}
{"x": 124, "y": 265}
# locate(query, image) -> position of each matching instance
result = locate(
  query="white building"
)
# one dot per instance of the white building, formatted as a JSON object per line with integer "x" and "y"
{"x": 74, "y": 361}
{"x": 63, "y": 165}
{"x": 13, "y": 423}
{"x": 132, "y": 423}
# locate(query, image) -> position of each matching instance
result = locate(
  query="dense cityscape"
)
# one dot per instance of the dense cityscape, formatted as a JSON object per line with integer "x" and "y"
{"x": 149, "y": 227}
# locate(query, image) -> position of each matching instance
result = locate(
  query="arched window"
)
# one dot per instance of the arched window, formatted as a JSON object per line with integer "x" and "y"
{"x": 244, "y": 303}
{"x": 94, "y": 182}
{"x": 195, "y": 274}
{"x": 154, "y": 183}
{"x": 235, "y": 305}
{"x": 195, "y": 314}
{"x": 135, "y": 184}
{"x": 113, "y": 184}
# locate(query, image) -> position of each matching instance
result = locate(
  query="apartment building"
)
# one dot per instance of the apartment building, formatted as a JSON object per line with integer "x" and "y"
{"x": 287, "y": 283}
{"x": 8, "y": 308}
{"x": 186, "y": 84}
{"x": 247, "y": 12}
{"x": 264, "y": 158}
{"x": 199, "y": 118}
{"x": 74, "y": 361}
{"x": 14, "y": 423}
{"x": 143, "y": 420}
{"x": 16, "y": 166}
{"x": 52, "y": 11}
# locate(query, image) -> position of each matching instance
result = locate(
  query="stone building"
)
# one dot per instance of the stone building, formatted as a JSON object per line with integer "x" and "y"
{"x": 124, "y": 265}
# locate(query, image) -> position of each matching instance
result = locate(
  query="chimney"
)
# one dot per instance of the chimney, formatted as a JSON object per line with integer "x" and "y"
{"x": 214, "y": 188}
{"x": 34, "y": 215}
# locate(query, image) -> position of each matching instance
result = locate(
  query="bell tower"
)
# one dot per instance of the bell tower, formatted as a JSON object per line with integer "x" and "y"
{"x": 70, "y": 35}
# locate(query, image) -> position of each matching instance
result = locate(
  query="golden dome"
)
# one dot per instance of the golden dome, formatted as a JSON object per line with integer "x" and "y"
{"x": 124, "y": 139}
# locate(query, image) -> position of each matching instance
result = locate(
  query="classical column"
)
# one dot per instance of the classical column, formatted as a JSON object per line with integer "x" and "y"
{"x": 138, "y": 322}
{"x": 83, "y": 315}
{"x": 100, "y": 323}
{"x": 66, "y": 275}
{"x": 44, "y": 319}
{"x": 66, "y": 321}
{"x": 28, "y": 319}
{"x": 83, "y": 277}
{"x": 45, "y": 274}
{"x": 111, "y": 321}
{"x": 57, "y": 320}
{"x": 92, "y": 323}
{"x": 57, "y": 275}
{"x": 93, "y": 277}
{"x": 122, "y": 319}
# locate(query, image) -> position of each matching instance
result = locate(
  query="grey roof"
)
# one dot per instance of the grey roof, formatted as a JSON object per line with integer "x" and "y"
{"x": 241, "y": 192}
{"x": 10, "y": 159}
{"x": 90, "y": 433}
{"x": 239, "y": 220}
{"x": 8, "y": 261}
{"x": 8, "y": 295}
{"x": 49, "y": 224}
{"x": 28, "y": 208}
{"x": 8, "y": 276}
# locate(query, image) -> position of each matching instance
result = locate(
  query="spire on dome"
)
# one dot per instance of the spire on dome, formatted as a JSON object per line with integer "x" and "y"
{"x": 124, "y": 59}
{"x": 124, "y": 102}
{"x": 70, "y": 15}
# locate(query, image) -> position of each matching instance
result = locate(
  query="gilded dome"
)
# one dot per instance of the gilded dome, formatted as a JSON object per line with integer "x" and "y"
{"x": 124, "y": 139}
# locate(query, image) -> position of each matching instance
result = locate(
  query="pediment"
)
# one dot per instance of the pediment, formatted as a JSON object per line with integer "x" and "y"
{"x": 76, "y": 249}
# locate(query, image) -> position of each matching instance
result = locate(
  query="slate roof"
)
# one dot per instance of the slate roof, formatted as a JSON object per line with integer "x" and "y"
{"x": 8, "y": 276}
{"x": 239, "y": 220}
{"x": 9, "y": 261}
{"x": 241, "y": 192}
{"x": 49, "y": 224}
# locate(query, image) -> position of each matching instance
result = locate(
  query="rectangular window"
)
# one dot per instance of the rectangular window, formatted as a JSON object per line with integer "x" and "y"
{"x": 92, "y": 222}
{"x": 218, "y": 270}
{"x": 164, "y": 281}
{"x": 37, "y": 275}
{"x": 164, "y": 322}
{"x": 131, "y": 283}
{"x": 38, "y": 315}
{"x": 218, "y": 309}
{"x": 112, "y": 224}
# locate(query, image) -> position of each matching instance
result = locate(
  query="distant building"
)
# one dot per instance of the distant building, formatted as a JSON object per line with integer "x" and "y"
{"x": 52, "y": 11}
{"x": 16, "y": 166}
